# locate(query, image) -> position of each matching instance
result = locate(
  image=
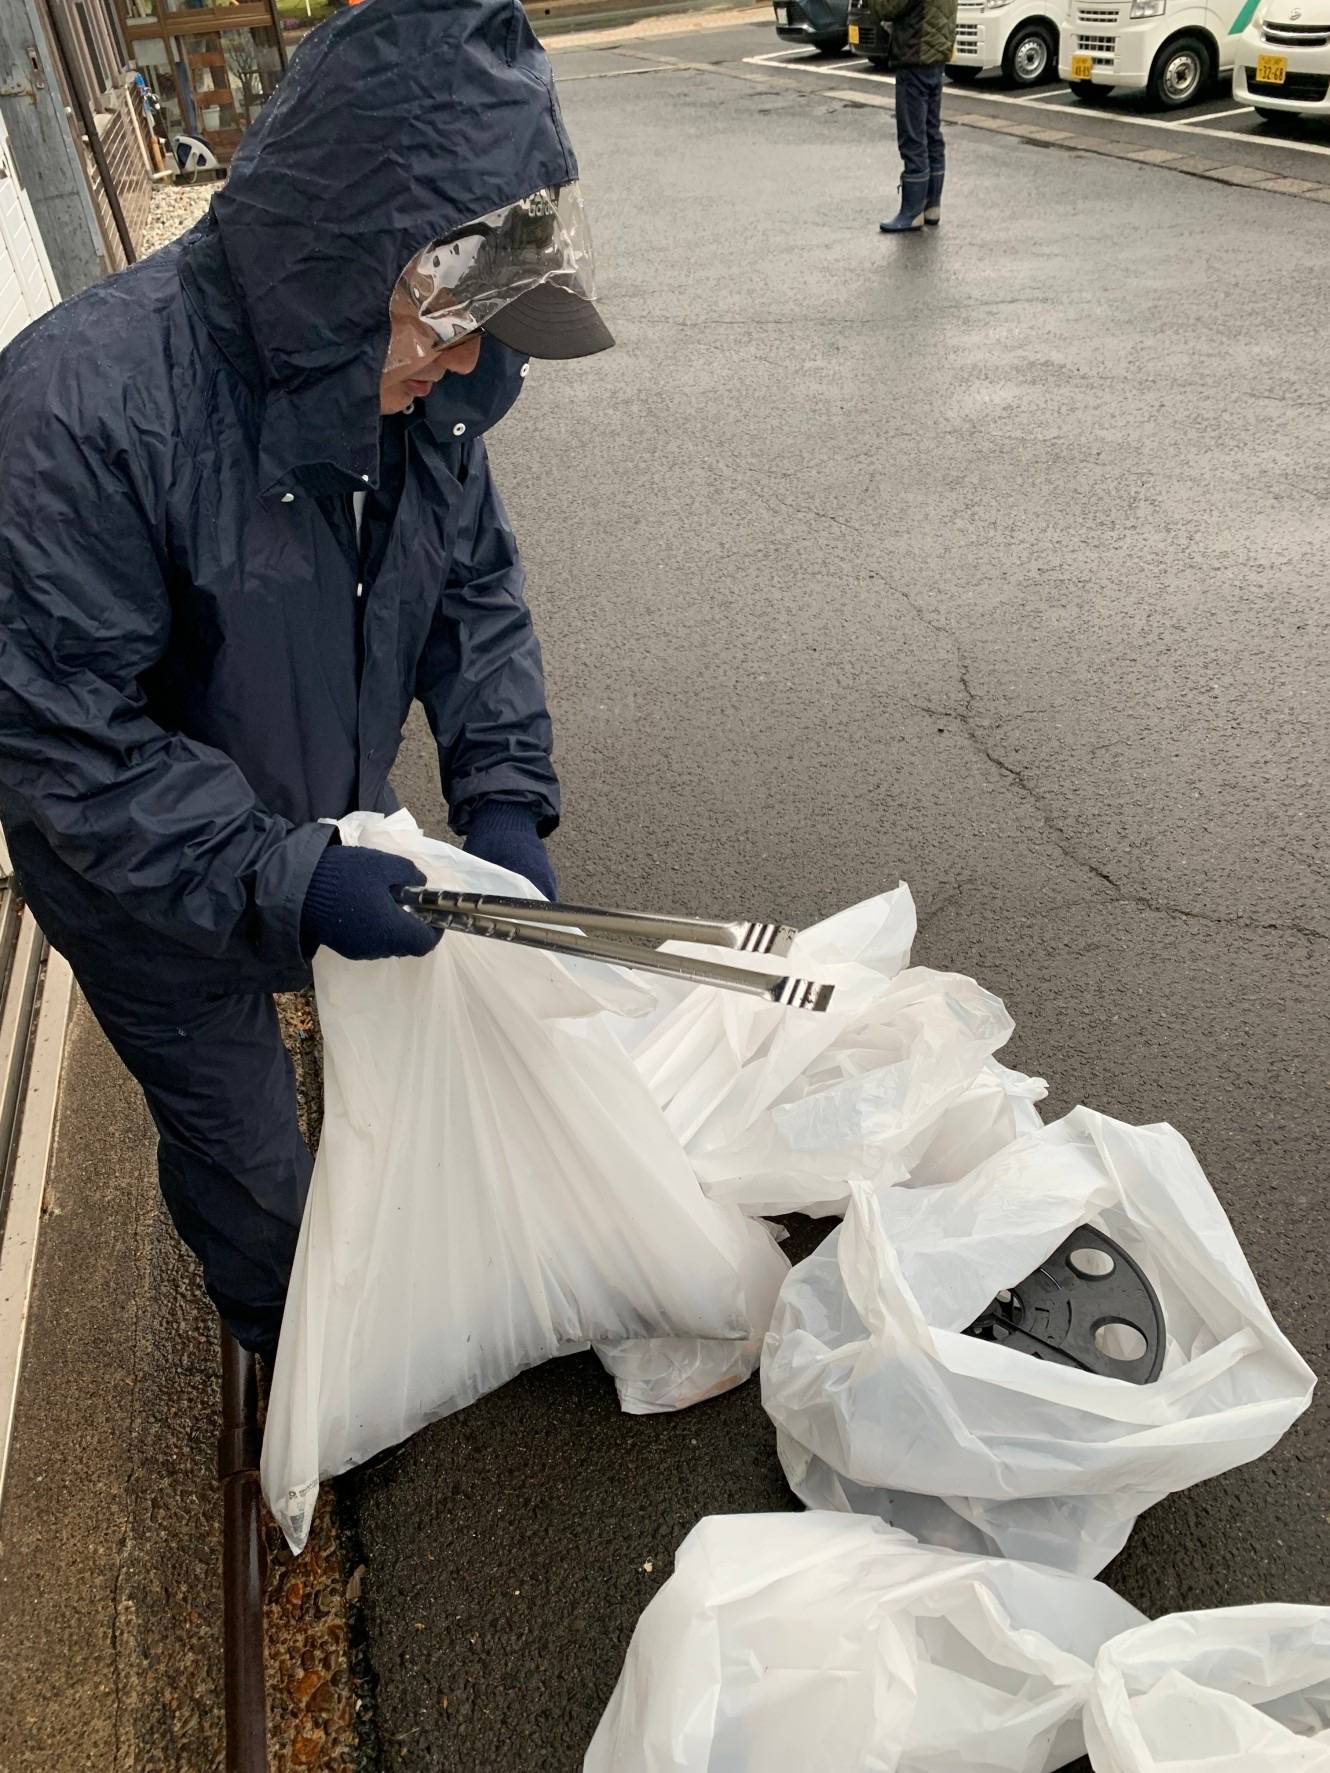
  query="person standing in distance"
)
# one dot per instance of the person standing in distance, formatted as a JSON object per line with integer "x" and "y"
{"x": 923, "y": 37}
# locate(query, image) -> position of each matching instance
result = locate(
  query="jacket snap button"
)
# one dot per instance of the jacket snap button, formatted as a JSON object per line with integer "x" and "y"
{"x": 459, "y": 430}
{"x": 288, "y": 498}
{"x": 525, "y": 370}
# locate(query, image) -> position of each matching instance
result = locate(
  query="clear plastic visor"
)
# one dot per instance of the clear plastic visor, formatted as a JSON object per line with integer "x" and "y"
{"x": 455, "y": 284}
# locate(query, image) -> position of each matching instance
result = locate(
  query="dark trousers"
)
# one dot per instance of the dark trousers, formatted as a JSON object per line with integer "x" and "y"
{"x": 233, "y": 1166}
{"x": 919, "y": 121}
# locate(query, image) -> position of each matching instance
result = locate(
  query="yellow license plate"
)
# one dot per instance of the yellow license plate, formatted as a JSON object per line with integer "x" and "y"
{"x": 1272, "y": 69}
{"x": 1082, "y": 67}
{"x": 854, "y": 33}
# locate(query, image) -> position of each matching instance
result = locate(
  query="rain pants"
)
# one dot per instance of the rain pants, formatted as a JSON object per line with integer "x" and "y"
{"x": 200, "y": 656}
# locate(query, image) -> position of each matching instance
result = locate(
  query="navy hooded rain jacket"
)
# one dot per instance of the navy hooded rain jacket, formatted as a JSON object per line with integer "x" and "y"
{"x": 191, "y": 672}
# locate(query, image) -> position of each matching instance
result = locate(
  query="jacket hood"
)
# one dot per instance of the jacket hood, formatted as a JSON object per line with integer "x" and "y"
{"x": 397, "y": 122}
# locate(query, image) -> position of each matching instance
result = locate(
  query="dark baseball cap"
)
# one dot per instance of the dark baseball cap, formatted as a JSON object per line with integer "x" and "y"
{"x": 524, "y": 274}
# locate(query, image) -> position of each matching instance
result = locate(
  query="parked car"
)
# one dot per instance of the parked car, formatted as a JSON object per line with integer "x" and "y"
{"x": 819, "y": 22}
{"x": 1020, "y": 37}
{"x": 1175, "y": 49}
{"x": 1283, "y": 61}
{"x": 867, "y": 37}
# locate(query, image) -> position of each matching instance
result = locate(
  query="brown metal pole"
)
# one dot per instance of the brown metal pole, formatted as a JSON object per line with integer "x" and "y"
{"x": 243, "y": 1563}
{"x": 89, "y": 124}
{"x": 281, "y": 38}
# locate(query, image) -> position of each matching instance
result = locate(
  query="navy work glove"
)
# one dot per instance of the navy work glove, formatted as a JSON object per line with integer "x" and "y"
{"x": 349, "y": 906}
{"x": 503, "y": 832}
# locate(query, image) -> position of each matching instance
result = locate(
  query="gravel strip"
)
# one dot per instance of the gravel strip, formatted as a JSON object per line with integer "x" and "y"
{"x": 318, "y": 1712}
{"x": 174, "y": 208}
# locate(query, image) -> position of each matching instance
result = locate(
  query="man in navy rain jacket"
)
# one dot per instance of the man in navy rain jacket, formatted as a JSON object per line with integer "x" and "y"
{"x": 246, "y": 519}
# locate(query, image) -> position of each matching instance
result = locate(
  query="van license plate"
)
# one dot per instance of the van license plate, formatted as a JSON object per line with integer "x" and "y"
{"x": 1082, "y": 67}
{"x": 1272, "y": 69}
{"x": 854, "y": 33}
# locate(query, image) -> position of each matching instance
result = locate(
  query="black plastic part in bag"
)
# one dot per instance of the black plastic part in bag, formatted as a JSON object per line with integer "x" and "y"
{"x": 1088, "y": 1306}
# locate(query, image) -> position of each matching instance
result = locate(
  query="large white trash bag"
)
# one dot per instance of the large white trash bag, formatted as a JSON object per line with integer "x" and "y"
{"x": 833, "y": 1644}
{"x": 1236, "y": 1690}
{"x": 881, "y": 1404}
{"x": 783, "y": 1113}
{"x": 494, "y": 1186}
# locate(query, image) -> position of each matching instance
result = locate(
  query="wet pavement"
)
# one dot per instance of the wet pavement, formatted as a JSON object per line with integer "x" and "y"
{"x": 1213, "y": 135}
{"x": 991, "y": 560}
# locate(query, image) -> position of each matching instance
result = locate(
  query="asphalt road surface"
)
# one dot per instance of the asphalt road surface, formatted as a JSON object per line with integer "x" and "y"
{"x": 1214, "y": 125}
{"x": 991, "y": 560}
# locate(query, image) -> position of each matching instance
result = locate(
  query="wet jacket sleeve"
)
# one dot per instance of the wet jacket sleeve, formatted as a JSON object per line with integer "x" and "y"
{"x": 480, "y": 677}
{"x": 169, "y": 827}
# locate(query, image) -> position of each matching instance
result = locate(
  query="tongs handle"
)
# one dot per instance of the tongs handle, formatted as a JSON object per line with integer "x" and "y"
{"x": 806, "y": 994}
{"x": 633, "y": 926}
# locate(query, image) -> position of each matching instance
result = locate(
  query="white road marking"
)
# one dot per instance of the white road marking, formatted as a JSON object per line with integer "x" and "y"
{"x": 1215, "y": 116}
{"x": 1197, "y": 125}
{"x": 1260, "y": 141}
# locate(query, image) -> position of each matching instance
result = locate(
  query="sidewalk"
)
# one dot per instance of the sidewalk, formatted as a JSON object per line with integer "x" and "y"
{"x": 110, "y": 1536}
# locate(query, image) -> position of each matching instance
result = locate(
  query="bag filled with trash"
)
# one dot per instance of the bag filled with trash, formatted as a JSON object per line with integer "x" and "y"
{"x": 1234, "y": 1690}
{"x": 883, "y": 1403}
{"x": 494, "y": 1187}
{"x": 781, "y": 1113}
{"x": 828, "y": 1643}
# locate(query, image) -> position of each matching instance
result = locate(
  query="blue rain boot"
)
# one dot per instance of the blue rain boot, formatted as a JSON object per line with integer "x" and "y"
{"x": 911, "y": 213}
{"x": 933, "y": 202}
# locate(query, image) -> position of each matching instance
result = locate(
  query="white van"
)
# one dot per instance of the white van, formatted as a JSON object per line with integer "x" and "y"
{"x": 1175, "y": 49}
{"x": 1020, "y": 37}
{"x": 1283, "y": 65}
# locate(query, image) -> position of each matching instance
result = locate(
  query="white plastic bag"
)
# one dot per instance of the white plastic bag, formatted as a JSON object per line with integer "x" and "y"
{"x": 494, "y": 1186}
{"x": 1236, "y": 1690}
{"x": 998, "y": 1107}
{"x": 882, "y": 1404}
{"x": 782, "y": 1113}
{"x": 834, "y": 1644}
{"x": 663, "y": 1373}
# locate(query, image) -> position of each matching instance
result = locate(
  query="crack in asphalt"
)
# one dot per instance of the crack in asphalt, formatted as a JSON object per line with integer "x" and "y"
{"x": 966, "y": 718}
{"x": 1063, "y": 840}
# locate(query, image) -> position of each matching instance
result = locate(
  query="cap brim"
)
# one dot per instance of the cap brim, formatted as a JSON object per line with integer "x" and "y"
{"x": 550, "y": 321}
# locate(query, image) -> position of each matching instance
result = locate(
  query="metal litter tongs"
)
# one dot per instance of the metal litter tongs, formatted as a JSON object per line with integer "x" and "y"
{"x": 624, "y": 938}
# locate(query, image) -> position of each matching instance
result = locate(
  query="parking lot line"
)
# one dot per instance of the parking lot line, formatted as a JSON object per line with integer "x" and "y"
{"x": 1040, "y": 98}
{"x": 1216, "y": 116}
{"x": 808, "y": 63}
{"x": 1259, "y": 141}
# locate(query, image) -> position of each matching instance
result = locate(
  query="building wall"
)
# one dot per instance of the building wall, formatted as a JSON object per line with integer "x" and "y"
{"x": 27, "y": 287}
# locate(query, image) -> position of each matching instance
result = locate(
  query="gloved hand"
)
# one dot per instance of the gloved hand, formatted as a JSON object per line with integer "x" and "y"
{"x": 504, "y": 832}
{"x": 349, "y": 906}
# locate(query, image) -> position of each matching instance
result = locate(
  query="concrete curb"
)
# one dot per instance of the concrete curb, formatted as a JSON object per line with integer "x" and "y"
{"x": 1166, "y": 159}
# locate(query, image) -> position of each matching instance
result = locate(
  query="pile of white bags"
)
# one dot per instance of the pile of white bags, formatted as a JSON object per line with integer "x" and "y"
{"x": 494, "y": 1187}
{"x": 883, "y": 1405}
{"x": 524, "y": 1156}
{"x": 518, "y": 1152}
{"x": 1236, "y": 1690}
{"x": 833, "y": 1644}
